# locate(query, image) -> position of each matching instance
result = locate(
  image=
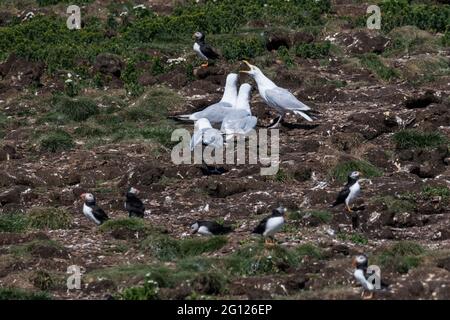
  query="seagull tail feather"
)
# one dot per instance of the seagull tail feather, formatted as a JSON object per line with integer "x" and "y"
{"x": 181, "y": 117}
{"x": 303, "y": 114}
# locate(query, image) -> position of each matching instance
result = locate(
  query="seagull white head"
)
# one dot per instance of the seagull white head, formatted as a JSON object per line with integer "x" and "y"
{"x": 230, "y": 93}
{"x": 232, "y": 79}
{"x": 243, "y": 98}
{"x": 201, "y": 124}
{"x": 89, "y": 197}
{"x": 254, "y": 70}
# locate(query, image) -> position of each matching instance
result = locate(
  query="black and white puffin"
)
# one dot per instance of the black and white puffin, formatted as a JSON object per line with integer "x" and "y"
{"x": 208, "y": 228}
{"x": 204, "y": 50}
{"x": 91, "y": 210}
{"x": 271, "y": 224}
{"x": 133, "y": 204}
{"x": 360, "y": 264}
{"x": 350, "y": 192}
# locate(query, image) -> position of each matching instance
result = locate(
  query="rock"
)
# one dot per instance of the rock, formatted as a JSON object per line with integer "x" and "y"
{"x": 110, "y": 67}
{"x": 276, "y": 40}
{"x": 341, "y": 249}
{"x": 175, "y": 79}
{"x": 147, "y": 79}
{"x": 47, "y": 251}
{"x": 364, "y": 42}
{"x": 302, "y": 37}
{"x": 10, "y": 196}
{"x": 378, "y": 157}
{"x": 386, "y": 233}
{"x": 19, "y": 72}
{"x": 444, "y": 263}
{"x": 406, "y": 220}
{"x": 347, "y": 141}
{"x": 145, "y": 175}
{"x": 5, "y": 179}
{"x": 109, "y": 64}
{"x": 302, "y": 173}
{"x": 422, "y": 101}
{"x": 203, "y": 73}
{"x": 5, "y": 18}
{"x": 369, "y": 125}
{"x": 222, "y": 190}
{"x": 432, "y": 117}
{"x": 7, "y": 152}
{"x": 100, "y": 286}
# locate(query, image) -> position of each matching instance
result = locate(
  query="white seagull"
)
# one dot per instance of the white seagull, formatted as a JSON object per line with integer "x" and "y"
{"x": 278, "y": 98}
{"x": 240, "y": 121}
{"x": 206, "y": 135}
{"x": 216, "y": 112}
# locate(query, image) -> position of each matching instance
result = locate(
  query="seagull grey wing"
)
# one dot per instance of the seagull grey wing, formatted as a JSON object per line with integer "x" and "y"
{"x": 248, "y": 124}
{"x": 282, "y": 98}
{"x": 233, "y": 119}
{"x": 213, "y": 138}
{"x": 214, "y": 113}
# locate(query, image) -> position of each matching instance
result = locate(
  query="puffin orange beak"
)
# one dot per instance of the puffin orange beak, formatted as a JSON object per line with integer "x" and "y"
{"x": 83, "y": 196}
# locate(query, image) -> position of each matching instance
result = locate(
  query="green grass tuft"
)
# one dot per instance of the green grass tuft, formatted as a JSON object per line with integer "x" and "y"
{"x": 238, "y": 47}
{"x": 356, "y": 238}
{"x": 166, "y": 248}
{"x": 402, "y": 256}
{"x": 19, "y": 294}
{"x": 340, "y": 171}
{"x": 397, "y": 205}
{"x": 313, "y": 50}
{"x": 149, "y": 291}
{"x": 13, "y": 222}
{"x": 49, "y": 218}
{"x": 430, "y": 192}
{"x": 76, "y": 109}
{"x": 411, "y": 139}
{"x": 256, "y": 259}
{"x": 309, "y": 250}
{"x": 372, "y": 62}
{"x": 132, "y": 224}
{"x": 55, "y": 141}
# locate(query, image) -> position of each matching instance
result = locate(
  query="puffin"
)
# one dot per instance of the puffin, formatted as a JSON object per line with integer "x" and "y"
{"x": 92, "y": 211}
{"x": 276, "y": 97}
{"x": 350, "y": 192}
{"x": 208, "y": 228}
{"x": 133, "y": 204}
{"x": 360, "y": 264}
{"x": 204, "y": 50}
{"x": 271, "y": 224}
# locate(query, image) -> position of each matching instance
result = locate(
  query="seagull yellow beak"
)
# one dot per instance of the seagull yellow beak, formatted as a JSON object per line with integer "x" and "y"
{"x": 248, "y": 65}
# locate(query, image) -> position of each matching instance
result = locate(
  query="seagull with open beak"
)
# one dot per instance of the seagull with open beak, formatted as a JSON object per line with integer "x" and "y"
{"x": 276, "y": 97}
